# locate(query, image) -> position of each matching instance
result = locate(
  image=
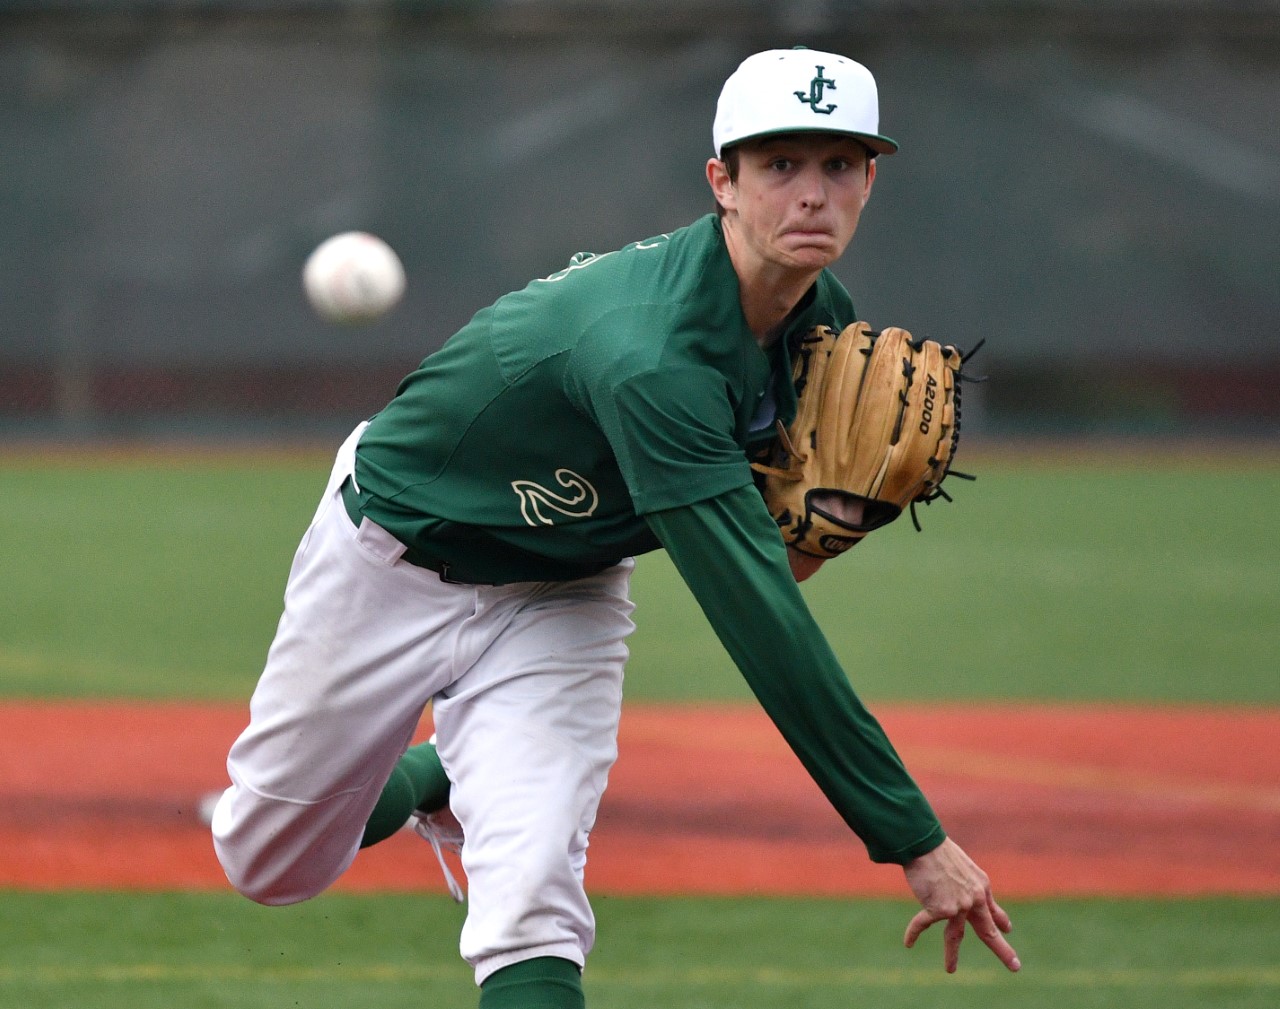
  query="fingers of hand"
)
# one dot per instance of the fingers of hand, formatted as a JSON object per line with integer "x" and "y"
{"x": 989, "y": 921}
{"x": 952, "y": 938}
{"x": 1002, "y": 920}
{"x": 921, "y": 921}
{"x": 989, "y": 929}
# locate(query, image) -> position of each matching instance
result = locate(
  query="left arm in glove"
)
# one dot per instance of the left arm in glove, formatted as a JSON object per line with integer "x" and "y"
{"x": 843, "y": 509}
{"x": 876, "y": 427}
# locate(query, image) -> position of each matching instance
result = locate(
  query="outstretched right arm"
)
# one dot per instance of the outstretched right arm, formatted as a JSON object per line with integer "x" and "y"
{"x": 728, "y": 550}
{"x": 730, "y": 554}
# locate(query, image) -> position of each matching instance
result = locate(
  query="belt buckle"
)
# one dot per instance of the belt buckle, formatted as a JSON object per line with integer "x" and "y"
{"x": 443, "y": 574}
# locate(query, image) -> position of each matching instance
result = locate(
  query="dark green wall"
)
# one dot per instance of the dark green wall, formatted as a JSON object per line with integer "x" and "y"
{"x": 1084, "y": 199}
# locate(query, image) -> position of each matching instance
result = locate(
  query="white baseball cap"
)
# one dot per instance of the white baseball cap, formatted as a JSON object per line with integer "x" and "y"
{"x": 799, "y": 91}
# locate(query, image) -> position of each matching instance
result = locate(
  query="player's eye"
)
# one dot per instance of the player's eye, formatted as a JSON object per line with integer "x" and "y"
{"x": 779, "y": 164}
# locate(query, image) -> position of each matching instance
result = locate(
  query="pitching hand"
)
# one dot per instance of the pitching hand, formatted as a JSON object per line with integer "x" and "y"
{"x": 952, "y": 888}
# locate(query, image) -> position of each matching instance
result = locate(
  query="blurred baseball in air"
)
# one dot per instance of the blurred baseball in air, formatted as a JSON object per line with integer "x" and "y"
{"x": 353, "y": 277}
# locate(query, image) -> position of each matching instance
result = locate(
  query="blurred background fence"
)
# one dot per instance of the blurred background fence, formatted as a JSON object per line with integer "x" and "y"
{"x": 1093, "y": 185}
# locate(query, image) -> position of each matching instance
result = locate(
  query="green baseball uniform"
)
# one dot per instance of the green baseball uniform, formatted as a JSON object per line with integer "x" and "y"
{"x": 473, "y": 552}
{"x": 608, "y": 410}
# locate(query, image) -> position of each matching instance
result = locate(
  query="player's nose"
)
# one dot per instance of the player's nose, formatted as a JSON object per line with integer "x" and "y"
{"x": 812, "y": 190}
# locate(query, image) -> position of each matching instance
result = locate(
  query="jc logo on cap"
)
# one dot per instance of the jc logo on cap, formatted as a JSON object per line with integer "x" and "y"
{"x": 814, "y": 97}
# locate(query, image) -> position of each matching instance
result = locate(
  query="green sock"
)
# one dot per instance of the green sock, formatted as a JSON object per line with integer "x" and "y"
{"x": 417, "y": 781}
{"x": 546, "y": 982}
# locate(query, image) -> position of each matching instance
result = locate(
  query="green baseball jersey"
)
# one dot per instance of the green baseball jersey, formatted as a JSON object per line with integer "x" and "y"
{"x": 531, "y": 444}
{"x": 608, "y": 410}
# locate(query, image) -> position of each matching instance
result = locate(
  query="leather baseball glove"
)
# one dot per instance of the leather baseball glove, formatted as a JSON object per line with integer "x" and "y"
{"x": 877, "y": 424}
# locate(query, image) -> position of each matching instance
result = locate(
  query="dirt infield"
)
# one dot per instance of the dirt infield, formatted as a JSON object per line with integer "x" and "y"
{"x": 1050, "y": 800}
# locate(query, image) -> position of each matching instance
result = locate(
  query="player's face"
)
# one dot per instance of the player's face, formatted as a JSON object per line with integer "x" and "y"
{"x": 798, "y": 198}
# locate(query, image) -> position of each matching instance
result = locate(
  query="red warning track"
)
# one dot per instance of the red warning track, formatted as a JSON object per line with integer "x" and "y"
{"x": 708, "y": 800}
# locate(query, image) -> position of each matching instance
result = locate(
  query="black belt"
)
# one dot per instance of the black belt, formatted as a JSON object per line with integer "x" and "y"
{"x": 351, "y": 501}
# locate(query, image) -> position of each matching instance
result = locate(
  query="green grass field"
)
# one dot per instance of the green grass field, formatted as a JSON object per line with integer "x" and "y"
{"x": 152, "y": 579}
{"x": 203, "y": 951}
{"x": 1056, "y": 582}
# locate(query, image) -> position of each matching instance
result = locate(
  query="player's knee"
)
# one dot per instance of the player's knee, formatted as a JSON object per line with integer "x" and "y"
{"x": 268, "y": 890}
{"x": 258, "y": 889}
{"x": 266, "y": 861}
{"x": 264, "y": 880}
{"x": 247, "y": 872}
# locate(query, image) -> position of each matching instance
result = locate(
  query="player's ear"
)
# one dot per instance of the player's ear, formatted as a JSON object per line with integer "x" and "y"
{"x": 871, "y": 177}
{"x": 722, "y": 186}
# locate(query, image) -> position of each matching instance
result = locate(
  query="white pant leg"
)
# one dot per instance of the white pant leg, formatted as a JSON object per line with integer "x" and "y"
{"x": 527, "y": 681}
{"x": 363, "y": 644}
{"x": 528, "y": 735}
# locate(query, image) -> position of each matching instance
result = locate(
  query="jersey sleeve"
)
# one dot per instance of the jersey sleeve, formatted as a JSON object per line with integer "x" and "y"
{"x": 671, "y": 430}
{"x": 729, "y": 553}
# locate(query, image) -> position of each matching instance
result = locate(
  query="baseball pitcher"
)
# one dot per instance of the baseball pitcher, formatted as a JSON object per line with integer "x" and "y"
{"x": 710, "y": 392}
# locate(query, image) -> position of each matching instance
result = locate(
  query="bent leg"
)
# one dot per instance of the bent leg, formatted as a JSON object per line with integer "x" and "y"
{"x": 363, "y": 644}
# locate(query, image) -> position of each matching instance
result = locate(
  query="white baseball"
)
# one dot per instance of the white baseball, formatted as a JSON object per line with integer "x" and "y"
{"x": 353, "y": 277}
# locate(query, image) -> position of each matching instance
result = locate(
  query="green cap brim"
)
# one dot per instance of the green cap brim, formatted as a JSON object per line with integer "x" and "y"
{"x": 877, "y": 143}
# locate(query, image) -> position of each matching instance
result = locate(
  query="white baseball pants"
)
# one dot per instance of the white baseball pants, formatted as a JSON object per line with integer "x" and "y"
{"x": 526, "y": 685}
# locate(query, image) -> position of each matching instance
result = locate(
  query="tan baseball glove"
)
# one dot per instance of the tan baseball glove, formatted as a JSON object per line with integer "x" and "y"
{"x": 877, "y": 424}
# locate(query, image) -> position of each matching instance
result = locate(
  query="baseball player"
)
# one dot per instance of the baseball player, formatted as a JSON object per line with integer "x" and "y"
{"x": 473, "y": 548}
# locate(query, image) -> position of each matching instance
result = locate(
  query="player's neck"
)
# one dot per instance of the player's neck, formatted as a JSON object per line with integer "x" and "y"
{"x": 767, "y": 307}
{"x": 768, "y": 291}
